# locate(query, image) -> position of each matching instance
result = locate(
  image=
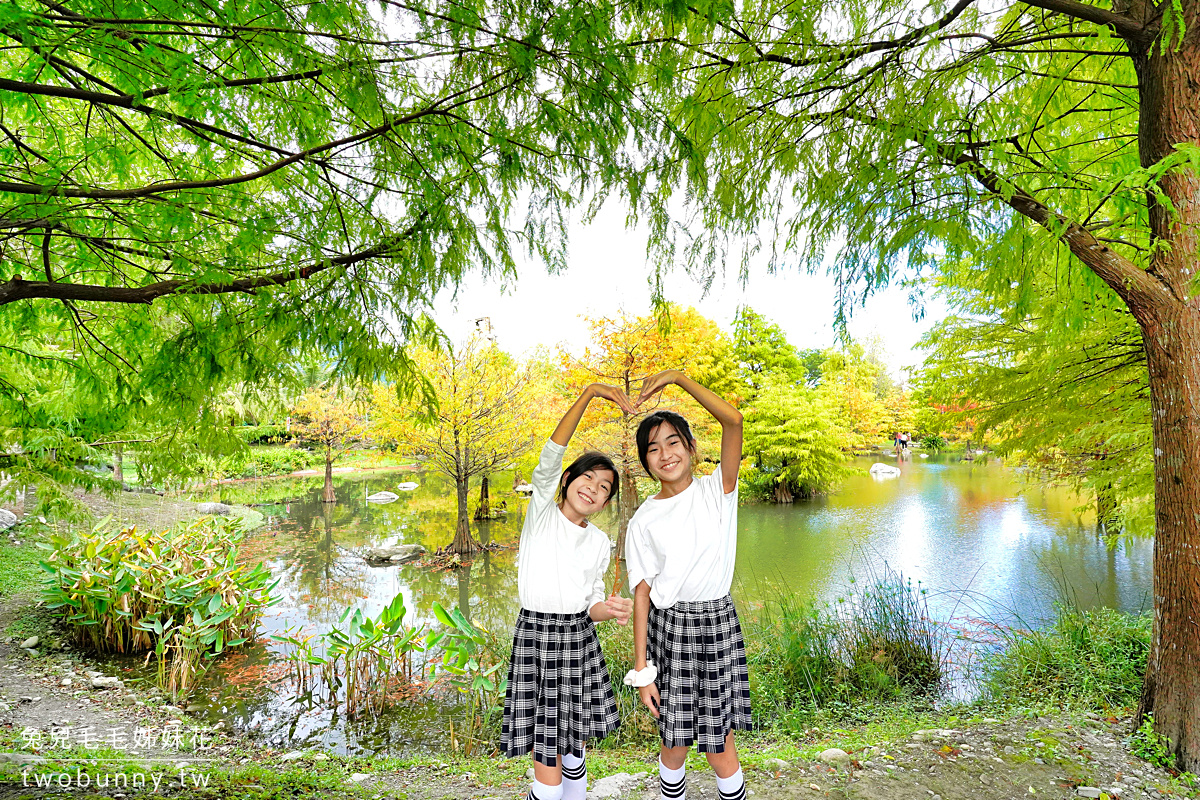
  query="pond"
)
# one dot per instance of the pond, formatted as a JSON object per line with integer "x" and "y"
{"x": 987, "y": 547}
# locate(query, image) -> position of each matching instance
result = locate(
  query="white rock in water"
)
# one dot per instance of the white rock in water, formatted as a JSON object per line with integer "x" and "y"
{"x": 834, "y": 755}
{"x": 383, "y": 497}
{"x": 407, "y": 486}
{"x": 217, "y": 509}
{"x": 7, "y": 519}
{"x": 924, "y": 455}
{"x": 884, "y": 471}
{"x": 395, "y": 554}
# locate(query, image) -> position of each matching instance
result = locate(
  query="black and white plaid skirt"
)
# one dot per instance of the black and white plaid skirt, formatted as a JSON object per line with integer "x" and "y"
{"x": 559, "y": 694}
{"x": 703, "y": 682}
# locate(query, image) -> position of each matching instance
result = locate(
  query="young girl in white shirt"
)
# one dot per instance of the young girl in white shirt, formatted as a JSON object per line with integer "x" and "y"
{"x": 689, "y": 655}
{"x": 559, "y": 693}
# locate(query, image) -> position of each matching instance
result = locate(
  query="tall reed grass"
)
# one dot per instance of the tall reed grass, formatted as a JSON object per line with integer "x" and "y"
{"x": 179, "y": 593}
{"x": 1090, "y": 659}
{"x": 877, "y": 645}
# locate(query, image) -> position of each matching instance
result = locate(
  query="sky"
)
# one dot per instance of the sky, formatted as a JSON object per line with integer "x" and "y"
{"x": 608, "y": 271}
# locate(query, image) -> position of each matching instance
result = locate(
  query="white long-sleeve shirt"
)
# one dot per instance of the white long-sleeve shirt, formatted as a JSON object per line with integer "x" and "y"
{"x": 561, "y": 565}
{"x": 685, "y": 546}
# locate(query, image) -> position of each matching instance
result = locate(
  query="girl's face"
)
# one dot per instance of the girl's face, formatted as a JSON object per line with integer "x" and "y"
{"x": 668, "y": 454}
{"x": 587, "y": 494}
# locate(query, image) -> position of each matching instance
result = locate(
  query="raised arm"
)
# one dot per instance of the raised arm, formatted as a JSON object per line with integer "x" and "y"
{"x": 570, "y": 421}
{"x": 724, "y": 412}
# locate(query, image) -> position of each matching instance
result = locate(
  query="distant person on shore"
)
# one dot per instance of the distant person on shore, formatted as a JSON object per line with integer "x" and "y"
{"x": 904, "y": 439}
{"x": 559, "y": 692}
{"x": 689, "y": 655}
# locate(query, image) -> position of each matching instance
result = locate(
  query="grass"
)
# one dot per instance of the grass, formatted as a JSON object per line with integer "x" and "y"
{"x": 853, "y": 660}
{"x": 1087, "y": 659}
{"x": 19, "y": 570}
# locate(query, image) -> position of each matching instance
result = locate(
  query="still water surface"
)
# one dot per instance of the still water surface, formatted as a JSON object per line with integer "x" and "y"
{"x": 984, "y": 544}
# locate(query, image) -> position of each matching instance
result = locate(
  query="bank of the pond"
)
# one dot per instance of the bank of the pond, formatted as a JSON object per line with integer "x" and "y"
{"x": 60, "y": 728}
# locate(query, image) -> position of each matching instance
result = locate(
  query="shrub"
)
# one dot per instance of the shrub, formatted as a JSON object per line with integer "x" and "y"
{"x": 266, "y": 461}
{"x": 756, "y": 484}
{"x": 875, "y": 646}
{"x": 1091, "y": 659}
{"x": 263, "y": 434}
{"x": 180, "y": 593}
{"x": 934, "y": 442}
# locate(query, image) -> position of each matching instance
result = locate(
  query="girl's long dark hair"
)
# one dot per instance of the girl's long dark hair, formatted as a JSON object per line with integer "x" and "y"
{"x": 589, "y": 462}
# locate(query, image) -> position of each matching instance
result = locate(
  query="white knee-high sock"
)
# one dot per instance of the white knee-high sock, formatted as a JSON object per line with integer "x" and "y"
{"x": 542, "y": 791}
{"x": 733, "y": 787}
{"x": 672, "y": 783}
{"x": 574, "y": 772}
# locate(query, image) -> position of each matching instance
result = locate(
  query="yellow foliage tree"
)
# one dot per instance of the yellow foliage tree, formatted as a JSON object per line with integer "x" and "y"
{"x": 624, "y": 350}
{"x": 327, "y": 419}
{"x": 486, "y": 417}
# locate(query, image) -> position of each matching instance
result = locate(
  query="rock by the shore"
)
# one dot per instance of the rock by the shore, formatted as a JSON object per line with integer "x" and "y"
{"x": 393, "y": 555}
{"x": 30, "y": 643}
{"x": 616, "y": 785}
{"x": 7, "y": 519}
{"x": 217, "y": 509}
{"x": 105, "y": 682}
{"x": 834, "y": 755}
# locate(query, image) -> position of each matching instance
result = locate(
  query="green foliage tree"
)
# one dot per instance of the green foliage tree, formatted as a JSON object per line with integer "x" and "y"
{"x": 953, "y": 136}
{"x": 762, "y": 350}
{"x": 190, "y": 193}
{"x": 1069, "y": 399}
{"x": 794, "y": 440}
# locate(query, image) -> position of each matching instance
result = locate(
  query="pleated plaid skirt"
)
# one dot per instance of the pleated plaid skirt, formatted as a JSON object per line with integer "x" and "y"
{"x": 559, "y": 694}
{"x": 703, "y": 682}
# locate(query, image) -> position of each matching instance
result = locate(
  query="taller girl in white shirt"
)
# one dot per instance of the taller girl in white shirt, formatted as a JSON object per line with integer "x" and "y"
{"x": 559, "y": 693}
{"x": 689, "y": 654}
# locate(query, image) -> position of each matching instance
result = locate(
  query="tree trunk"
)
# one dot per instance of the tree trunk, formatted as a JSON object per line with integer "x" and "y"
{"x": 119, "y": 464}
{"x": 1171, "y": 692}
{"x": 464, "y": 544}
{"x": 783, "y": 493}
{"x": 1169, "y": 315}
{"x": 328, "y": 496}
{"x": 627, "y": 503}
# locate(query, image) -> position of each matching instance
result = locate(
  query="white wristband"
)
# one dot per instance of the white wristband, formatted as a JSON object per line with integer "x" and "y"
{"x": 638, "y": 678}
